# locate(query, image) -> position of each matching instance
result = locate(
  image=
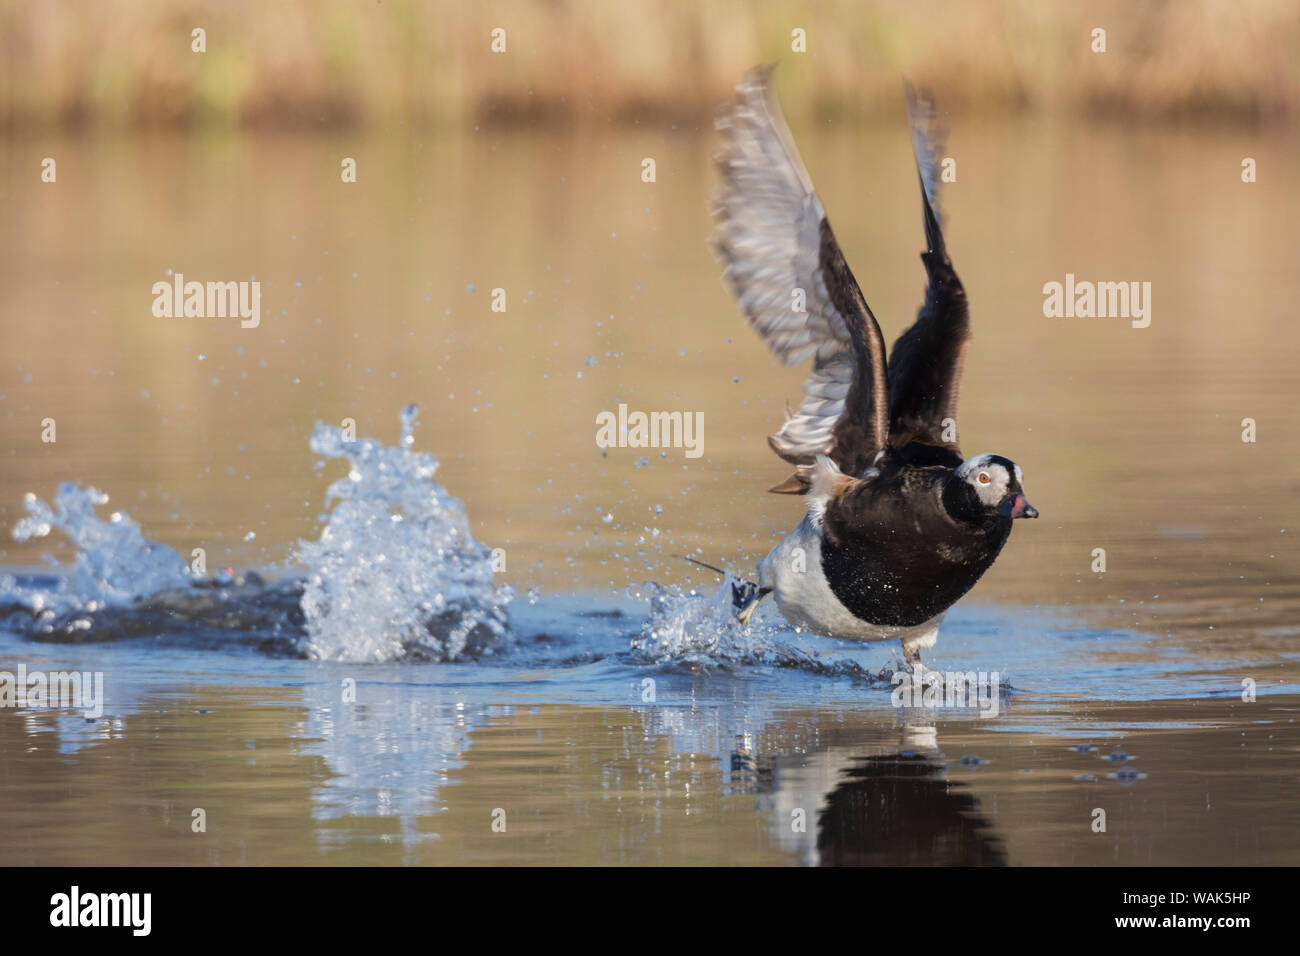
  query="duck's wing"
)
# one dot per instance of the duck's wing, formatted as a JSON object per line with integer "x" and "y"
{"x": 780, "y": 255}
{"x": 925, "y": 364}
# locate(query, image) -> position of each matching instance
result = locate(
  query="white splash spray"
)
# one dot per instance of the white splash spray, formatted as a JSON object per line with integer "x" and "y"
{"x": 396, "y": 572}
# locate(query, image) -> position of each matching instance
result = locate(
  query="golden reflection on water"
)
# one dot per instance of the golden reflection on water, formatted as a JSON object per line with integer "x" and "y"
{"x": 378, "y": 294}
{"x": 869, "y": 791}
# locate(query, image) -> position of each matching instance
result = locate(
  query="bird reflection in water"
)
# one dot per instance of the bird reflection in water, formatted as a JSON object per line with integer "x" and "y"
{"x": 892, "y": 808}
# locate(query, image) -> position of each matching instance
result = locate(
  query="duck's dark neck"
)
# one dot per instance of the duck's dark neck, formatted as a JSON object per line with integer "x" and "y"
{"x": 963, "y": 505}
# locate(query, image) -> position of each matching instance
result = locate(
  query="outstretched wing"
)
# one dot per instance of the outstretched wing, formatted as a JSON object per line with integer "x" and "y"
{"x": 789, "y": 276}
{"x": 925, "y": 364}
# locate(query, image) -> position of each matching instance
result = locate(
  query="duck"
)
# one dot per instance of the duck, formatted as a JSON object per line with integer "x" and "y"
{"x": 899, "y": 525}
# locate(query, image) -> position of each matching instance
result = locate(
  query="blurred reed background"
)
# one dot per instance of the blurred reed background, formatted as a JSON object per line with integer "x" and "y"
{"x": 338, "y": 63}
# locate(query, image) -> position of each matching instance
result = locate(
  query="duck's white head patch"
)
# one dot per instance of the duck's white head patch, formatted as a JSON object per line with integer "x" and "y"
{"x": 992, "y": 477}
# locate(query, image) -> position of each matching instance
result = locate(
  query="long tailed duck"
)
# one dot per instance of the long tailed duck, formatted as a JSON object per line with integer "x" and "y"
{"x": 899, "y": 526}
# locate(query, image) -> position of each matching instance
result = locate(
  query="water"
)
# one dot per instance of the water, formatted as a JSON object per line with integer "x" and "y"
{"x": 396, "y": 573}
{"x": 405, "y": 644}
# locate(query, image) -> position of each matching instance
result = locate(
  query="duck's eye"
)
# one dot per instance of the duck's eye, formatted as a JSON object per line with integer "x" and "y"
{"x": 984, "y": 478}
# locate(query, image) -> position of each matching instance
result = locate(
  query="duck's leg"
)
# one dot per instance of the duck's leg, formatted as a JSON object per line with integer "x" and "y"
{"x": 911, "y": 655}
{"x": 918, "y": 639}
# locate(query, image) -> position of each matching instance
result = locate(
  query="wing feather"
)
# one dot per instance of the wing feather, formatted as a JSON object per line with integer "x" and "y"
{"x": 925, "y": 364}
{"x": 779, "y": 253}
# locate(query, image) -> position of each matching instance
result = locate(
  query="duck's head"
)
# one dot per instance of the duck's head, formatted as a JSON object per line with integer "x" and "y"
{"x": 988, "y": 485}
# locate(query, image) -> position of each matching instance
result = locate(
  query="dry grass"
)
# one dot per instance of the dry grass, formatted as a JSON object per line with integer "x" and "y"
{"x": 325, "y": 63}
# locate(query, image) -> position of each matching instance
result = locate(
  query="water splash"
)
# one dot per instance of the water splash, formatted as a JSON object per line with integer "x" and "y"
{"x": 697, "y": 628}
{"x": 396, "y": 572}
{"x": 115, "y": 564}
{"x": 694, "y": 628}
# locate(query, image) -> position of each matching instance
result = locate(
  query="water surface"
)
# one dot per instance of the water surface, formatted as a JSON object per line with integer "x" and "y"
{"x": 378, "y": 294}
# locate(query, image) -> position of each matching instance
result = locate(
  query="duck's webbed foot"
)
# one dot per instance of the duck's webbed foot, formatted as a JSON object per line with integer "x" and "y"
{"x": 745, "y": 596}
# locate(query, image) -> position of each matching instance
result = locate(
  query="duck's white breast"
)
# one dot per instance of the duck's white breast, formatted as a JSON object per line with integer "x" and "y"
{"x": 793, "y": 570}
